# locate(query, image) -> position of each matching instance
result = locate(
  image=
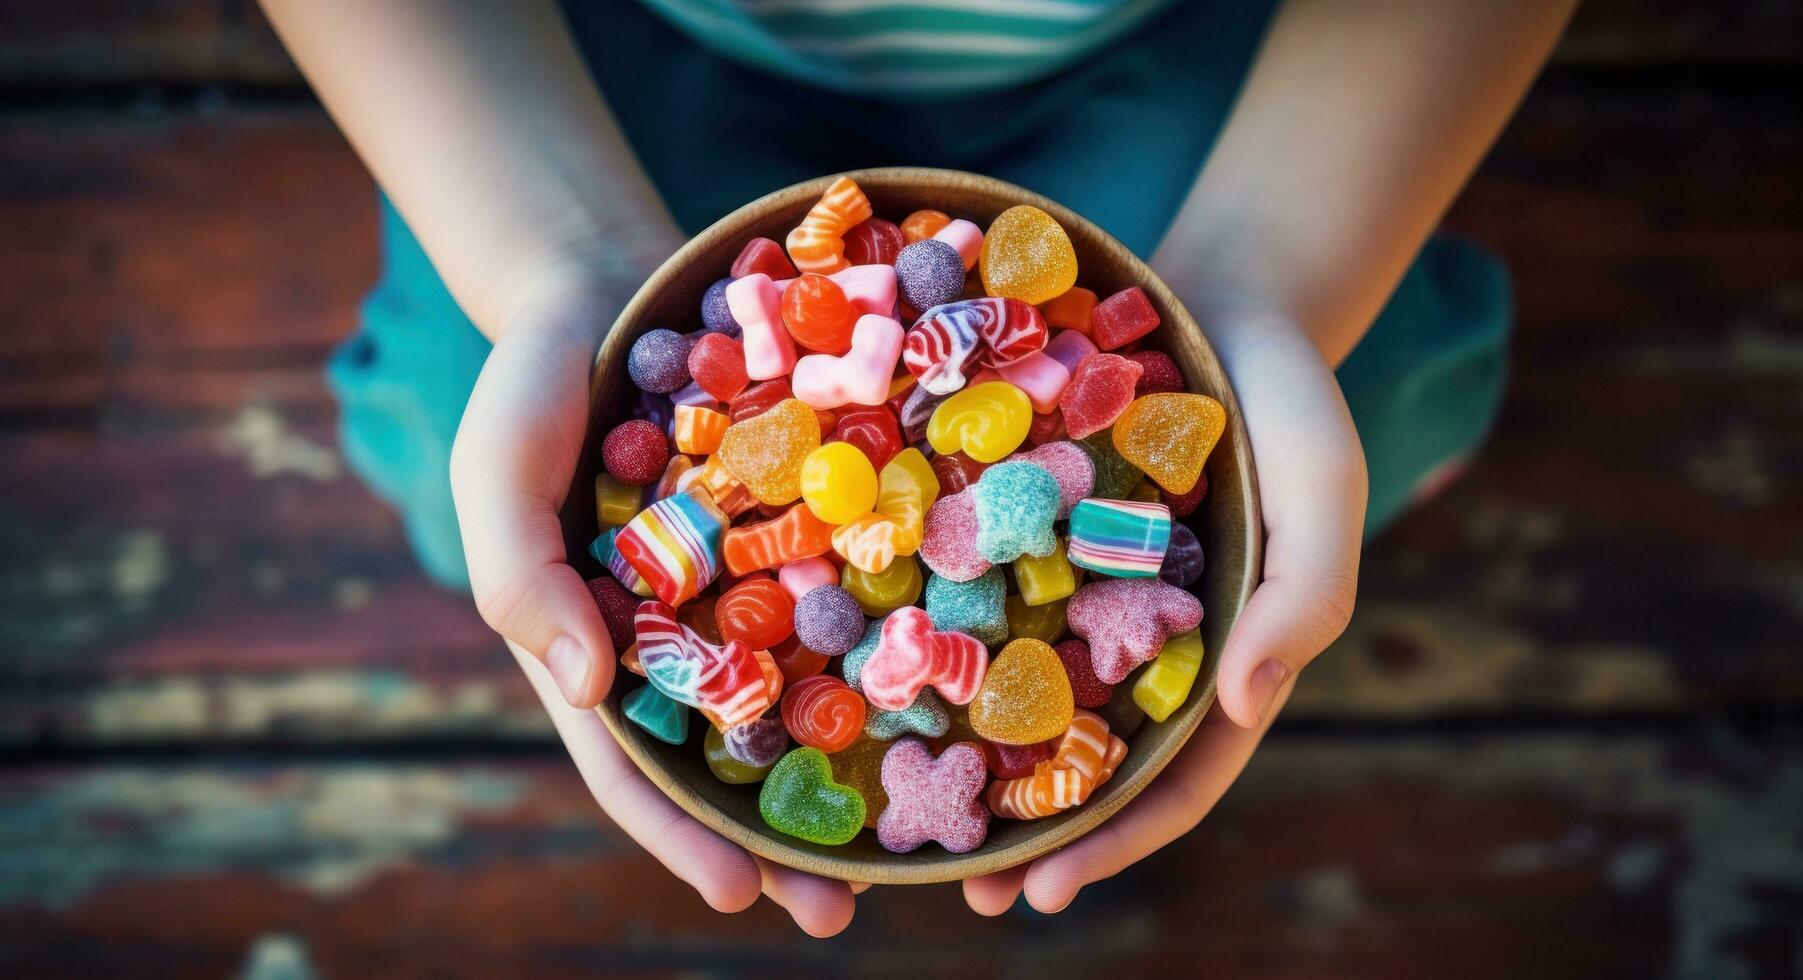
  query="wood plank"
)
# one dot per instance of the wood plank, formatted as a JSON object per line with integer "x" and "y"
{"x": 1542, "y": 855}
{"x": 79, "y": 43}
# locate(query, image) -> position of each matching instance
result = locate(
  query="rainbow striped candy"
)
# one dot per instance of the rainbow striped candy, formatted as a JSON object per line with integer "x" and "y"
{"x": 1122, "y": 538}
{"x": 603, "y": 550}
{"x": 675, "y": 545}
{"x": 726, "y": 682}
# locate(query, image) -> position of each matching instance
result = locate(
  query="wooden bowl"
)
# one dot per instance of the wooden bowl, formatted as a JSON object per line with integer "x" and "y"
{"x": 1227, "y": 523}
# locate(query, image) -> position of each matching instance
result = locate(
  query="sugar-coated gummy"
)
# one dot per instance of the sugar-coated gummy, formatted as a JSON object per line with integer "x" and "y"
{"x": 929, "y": 273}
{"x": 976, "y": 607}
{"x": 1070, "y": 465}
{"x": 1025, "y": 696}
{"x": 1016, "y": 504}
{"x": 635, "y": 452}
{"x": 948, "y": 542}
{"x": 716, "y": 315}
{"x": 925, "y": 717}
{"x": 1122, "y": 318}
{"x": 1127, "y": 620}
{"x": 1087, "y": 689}
{"x": 828, "y": 620}
{"x": 933, "y": 799}
{"x": 1099, "y": 391}
{"x": 1160, "y": 373}
{"x": 617, "y": 608}
{"x": 659, "y": 361}
{"x": 1169, "y": 435}
{"x": 800, "y": 798}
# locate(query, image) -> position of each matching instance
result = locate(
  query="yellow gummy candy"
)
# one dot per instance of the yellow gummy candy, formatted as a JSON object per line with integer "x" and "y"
{"x": 838, "y": 483}
{"x": 1042, "y": 580}
{"x": 881, "y": 593}
{"x": 1162, "y": 688}
{"x": 1044, "y": 623}
{"x": 1025, "y": 696}
{"x": 616, "y": 504}
{"x": 1027, "y": 256}
{"x": 986, "y": 421}
{"x": 906, "y": 488}
{"x": 870, "y": 542}
{"x": 1169, "y": 435}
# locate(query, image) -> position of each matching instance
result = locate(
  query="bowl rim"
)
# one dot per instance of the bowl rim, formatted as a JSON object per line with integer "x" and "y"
{"x": 898, "y": 869}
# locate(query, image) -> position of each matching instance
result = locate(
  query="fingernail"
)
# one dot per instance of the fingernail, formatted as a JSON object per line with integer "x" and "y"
{"x": 1266, "y": 679}
{"x": 569, "y": 663}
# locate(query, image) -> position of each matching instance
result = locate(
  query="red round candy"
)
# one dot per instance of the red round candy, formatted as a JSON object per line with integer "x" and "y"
{"x": 797, "y": 661}
{"x": 635, "y": 452}
{"x": 618, "y": 607}
{"x": 1161, "y": 373}
{"x": 1086, "y": 688}
{"x": 763, "y": 255}
{"x": 955, "y": 472}
{"x": 759, "y": 612}
{"x": 818, "y": 315}
{"x": 717, "y": 363}
{"x": 873, "y": 241}
{"x": 1017, "y": 761}
{"x": 759, "y": 398}
{"x": 873, "y": 430}
{"x": 823, "y": 712}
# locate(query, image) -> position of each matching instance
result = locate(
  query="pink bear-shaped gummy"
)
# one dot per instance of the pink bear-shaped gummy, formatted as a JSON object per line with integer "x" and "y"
{"x": 911, "y": 655}
{"x": 933, "y": 799}
{"x": 1127, "y": 620}
{"x": 948, "y": 537}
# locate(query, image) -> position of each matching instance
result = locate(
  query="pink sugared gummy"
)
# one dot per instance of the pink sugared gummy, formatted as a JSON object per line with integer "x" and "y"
{"x": 1127, "y": 620}
{"x": 948, "y": 540}
{"x": 1070, "y": 465}
{"x": 1098, "y": 392}
{"x": 1122, "y": 319}
{"x": 798, "y": 578}
{"x": 933, "y": 799}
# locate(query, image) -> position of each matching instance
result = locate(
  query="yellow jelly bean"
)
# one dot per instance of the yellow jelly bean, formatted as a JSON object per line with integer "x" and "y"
{"x": 838, "y": 483}
{"x": 1042, "y": 580}
{"x": 1044, "y": 623}
{"x": 906, "y": 488}
{"x": 986, "y": 421}
{"x": 616, "y": 504}
{"x": 1027, "y": 256}
{"x": 1162, "y": 688}
{"x": 881, "y": 593}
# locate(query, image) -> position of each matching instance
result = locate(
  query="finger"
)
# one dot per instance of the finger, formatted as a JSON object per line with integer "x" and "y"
{"x": 724, "y": 874}
{"x": 1167, "y": 809}
{"x": 1313, "y": 485}
{"x": 859, "y": 887}
{"x": 511, "y": 466}
{"x": 994, "y": 894}
{"x": 822, "y": 907}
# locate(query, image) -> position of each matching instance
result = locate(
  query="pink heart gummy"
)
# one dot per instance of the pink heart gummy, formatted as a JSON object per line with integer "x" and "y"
{"x": 1127, "y": 620}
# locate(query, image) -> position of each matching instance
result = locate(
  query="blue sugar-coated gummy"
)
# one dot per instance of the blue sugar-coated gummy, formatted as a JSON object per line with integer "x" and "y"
{"x": 1016, "y": 504}
{"x": 926, "y": 717}
{"x": 977, "y": 607}
{"x": 852, "y": 664}
{"x": 928, "y": 273}
{"x": 715, "y": 314}
{"x": 659, "y": 361}
{"x": 654, "y": 711}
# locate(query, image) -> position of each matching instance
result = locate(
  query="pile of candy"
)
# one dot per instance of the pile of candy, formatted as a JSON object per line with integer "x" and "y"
{"x": 1024, "y": 442}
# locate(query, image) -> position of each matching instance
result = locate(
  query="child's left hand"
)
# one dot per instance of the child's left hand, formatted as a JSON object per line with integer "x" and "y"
{"x": 1311, "y": 480}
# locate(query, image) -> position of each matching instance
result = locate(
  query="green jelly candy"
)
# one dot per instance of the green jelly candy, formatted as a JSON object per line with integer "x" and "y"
{"x": 652, "y": 710}
{"x": 721, "y": 763}
{"x": 977, "y": 607}
{"x": 925, "y": 717}
{"x": 800, "y": 799}
{"x": 1115, "y": 476}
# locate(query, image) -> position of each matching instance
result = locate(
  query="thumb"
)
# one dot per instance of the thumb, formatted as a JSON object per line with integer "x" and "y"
{"x": 511, "y": 466}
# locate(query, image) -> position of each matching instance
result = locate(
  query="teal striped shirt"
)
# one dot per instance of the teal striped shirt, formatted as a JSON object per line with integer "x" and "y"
{"x": 906, "y": 48}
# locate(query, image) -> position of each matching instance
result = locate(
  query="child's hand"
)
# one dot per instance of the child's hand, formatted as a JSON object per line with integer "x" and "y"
{"x": 512, "y": 464}
{"x": 1311, "y": 478}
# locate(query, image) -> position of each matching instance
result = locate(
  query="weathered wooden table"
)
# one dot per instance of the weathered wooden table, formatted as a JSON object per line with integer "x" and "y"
{"x": 241, "y": 733}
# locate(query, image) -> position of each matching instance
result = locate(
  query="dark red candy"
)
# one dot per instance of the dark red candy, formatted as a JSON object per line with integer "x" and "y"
{"x": 955, "y": 472}
{"x": 1046, "y": 428}
{"x": 873, "y": 241}
{"x": 1086, "y": 688}
{"x": 872, "y": 429}
{"x": 759, "y": 398}
{"x": 1122, "y": 318}
{"x": 763, "y": 255}
{"x": 717, "y": 363}
{"x": 1017, "y": 761}
{"x": 1185, "y": 504}
{"x": 618, "y": 607}
{"x": 1099, "y": 391}
{"x": 635, "y": 452}
{"x": 1161, "y": 373}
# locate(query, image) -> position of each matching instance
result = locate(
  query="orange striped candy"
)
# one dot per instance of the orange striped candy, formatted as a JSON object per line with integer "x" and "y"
{"x": 870, "y": 542}
{"x": 759, "y": 612}
{"x": 1086, "y": 757}
{"x": 729, "y": 494}
{"x": 817, "y": 244}
{"x": 797, "y": 534}
{"x": 699, "y": 430}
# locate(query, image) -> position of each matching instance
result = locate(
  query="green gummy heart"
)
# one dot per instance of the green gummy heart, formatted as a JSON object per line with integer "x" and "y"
{"x": 655, "y": 712}
{"x": 800, "y": 799}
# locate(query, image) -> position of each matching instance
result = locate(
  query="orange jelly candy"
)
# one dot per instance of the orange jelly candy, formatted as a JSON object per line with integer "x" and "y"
{"x": 757, "y": 611}
{"x": 797, "y": 534}
{"x": 922, "y": 225}
{"x": 818, "y": 243}
{"x": 765, "y": 452}
{"x": 818, "y": 315}
{"x": 1025, "y": 696}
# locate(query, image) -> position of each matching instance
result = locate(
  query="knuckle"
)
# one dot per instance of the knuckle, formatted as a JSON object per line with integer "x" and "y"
{"x": 500, "y": 601}
{"x": 1335, "y": 601}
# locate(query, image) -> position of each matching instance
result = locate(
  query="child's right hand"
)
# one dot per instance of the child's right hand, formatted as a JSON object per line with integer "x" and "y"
{"x": 513, "y": 462}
